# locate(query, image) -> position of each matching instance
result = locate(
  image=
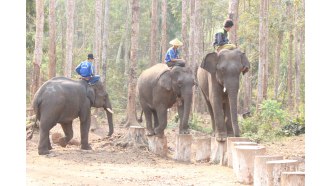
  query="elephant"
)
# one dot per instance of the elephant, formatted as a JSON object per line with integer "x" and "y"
{"x": 158, "y": 88}
{"x": 218, "y": 79}
{"x": 61, "y": 100}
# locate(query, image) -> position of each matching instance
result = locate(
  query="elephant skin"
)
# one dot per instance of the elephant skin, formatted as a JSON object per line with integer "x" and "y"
{"x": 218, "y": 78}
{"x": 158, "y": 88}
{"x": 61, "y": 100}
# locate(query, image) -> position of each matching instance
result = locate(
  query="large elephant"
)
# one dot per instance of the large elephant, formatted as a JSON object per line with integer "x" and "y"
{"x": 218, "y": 79}
{"x": 158, "y": 88}
{"x": 60, "y": 100}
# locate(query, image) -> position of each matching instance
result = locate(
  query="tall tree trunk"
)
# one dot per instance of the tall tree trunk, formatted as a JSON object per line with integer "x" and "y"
{"x": 262, "y": 50}
{"x": 37, "y": 56}
{"x": 105, "y": 41}
{"x": 52, "y": 40}
{"x": 233, "y": 14}
{"x": 69, "y": 37}
{"x": 265, "y": 82}
{"x": 127, "y": 40}
{"x": 290, "y": 59}
{"x": 153, "y": 35}
{"x": 184, "y": 11}
{"x": 131, "y": 109}
{"x": 191, "y": 35}
{"x": 164, "y": 35}
{"x": 277, "y": 63}
{"x": 98, "y": 35}
{"x": 63, "y": 27}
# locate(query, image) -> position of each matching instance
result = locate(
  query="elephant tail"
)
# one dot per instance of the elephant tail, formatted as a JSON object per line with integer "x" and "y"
{"x": 140, "y": 119}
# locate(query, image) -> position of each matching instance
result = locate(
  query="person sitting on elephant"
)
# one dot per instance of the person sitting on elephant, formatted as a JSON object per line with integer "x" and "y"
{"x": 221, "y": 38}
{"x": 172, "y": 57}
{"x": 86, "y": 70}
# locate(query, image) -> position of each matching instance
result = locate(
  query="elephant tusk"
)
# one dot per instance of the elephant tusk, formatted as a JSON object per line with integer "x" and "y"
{"x": 110, "y": 110}
{"x": 224, "y": 89}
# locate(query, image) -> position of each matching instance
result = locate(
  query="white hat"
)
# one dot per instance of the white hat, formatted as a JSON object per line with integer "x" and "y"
{"x": 176, "y": 42}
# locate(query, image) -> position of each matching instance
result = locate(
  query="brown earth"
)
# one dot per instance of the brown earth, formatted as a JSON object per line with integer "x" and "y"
{"x": 108, "y": 164}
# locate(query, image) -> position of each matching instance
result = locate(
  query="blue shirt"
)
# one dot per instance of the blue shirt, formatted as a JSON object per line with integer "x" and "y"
{"x": 171, "y": 54}
{"x": 85, "y": 69}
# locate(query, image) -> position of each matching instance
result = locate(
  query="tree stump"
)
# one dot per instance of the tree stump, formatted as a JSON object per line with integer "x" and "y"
{"x": 230, "y": 140}
{"x": 183, "y": 147}
{"x": 234, "y": 160}
{"x": 218, "y": 152}
{"x": 276, "y": 167}
{"x": 203, "y": 149}
{"x": 158, "y": 145}
{"x": 245, "y": 165}
{"x": 293, "y": 179}
{"x": 135, "y": 138}
{"x": 260, "y": 175}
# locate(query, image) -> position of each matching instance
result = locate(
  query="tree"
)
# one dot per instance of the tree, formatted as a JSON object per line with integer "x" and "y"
{"x": 290, "y": 58}
{"x": 52, "y": 40}
{"x": 233, "y": 15}
{"x": 98, "y": 34}
{"x": 191, "y": 35}
{"x": 37, "y": 56}
{"x": 131, "y": 109}
{"x": 154, "y": 30}
{"x": 69, "y": 37}
{"x": 164, "y": 35}
{"x": 105, "y": 41}
{"x": 127, "y": 39}
{"x": 184, "y": 9}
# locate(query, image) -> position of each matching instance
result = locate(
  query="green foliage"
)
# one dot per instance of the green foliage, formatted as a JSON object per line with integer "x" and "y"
{"x": 197, "y": 123}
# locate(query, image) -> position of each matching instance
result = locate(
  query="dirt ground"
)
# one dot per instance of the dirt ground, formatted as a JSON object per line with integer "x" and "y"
{"x": 108, "y": 164}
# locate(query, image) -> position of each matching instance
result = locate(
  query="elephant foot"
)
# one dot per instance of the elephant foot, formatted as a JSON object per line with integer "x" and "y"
{"x": 222, "y": 137}
{"x": 184, "y": 131}
{"x": 86, "y": 147}
{"x": 231, "y": 135}
{"x": 159, "y": 134}
{"x": 43, "y": 152}
{"x": 62, "y": 142}
{"x": 50, "y": 147}
{"x": 150, "y": 133}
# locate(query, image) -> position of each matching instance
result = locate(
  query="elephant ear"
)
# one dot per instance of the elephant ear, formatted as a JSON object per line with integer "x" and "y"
{"x": 91, "y": 94}
{"x": 165, "y": 80}
{"x": 245, "y": 62}
{"x": 209, "y": 63}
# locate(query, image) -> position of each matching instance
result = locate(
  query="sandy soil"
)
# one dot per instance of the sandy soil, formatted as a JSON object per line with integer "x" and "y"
{"x": 108, "y": 164}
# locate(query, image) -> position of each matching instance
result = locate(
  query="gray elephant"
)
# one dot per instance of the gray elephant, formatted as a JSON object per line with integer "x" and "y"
{"x": 218, "y": 79}
{"x": 60, "y": 100}
{"x": 158, "y": 88}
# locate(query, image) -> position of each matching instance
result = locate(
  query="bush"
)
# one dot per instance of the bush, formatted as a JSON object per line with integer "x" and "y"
{"x": 294, "y": 128}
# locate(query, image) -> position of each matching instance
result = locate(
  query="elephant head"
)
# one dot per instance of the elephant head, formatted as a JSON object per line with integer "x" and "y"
{"x": 227, "y": 67}
{"x": 99, "y": 98}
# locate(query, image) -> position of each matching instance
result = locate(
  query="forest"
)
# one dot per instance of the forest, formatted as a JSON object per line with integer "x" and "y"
{"x": 128, "y": 36}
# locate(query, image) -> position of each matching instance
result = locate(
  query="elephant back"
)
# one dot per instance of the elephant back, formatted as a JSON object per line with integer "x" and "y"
{"x": 153, "y": 73}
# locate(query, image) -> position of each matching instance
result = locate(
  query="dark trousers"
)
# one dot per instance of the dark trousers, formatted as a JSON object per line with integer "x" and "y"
{"x": 177, "y": 63}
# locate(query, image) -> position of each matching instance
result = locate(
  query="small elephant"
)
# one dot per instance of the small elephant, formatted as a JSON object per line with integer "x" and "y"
{"x": 60, "y": 100}
{"x": 218, "y": 79}
{"x": 158, "y": 88}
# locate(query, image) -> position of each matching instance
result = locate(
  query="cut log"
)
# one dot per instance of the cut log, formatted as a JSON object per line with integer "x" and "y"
{"x": 218, "y": 152}
{"x": 276, "y": 167}
{"x": 183, "y": 147}
{"x": 245, "y": 165}
{"x": 260, "y": 175}
{"x": 135, "y": 138}
{"x": 293, "y": 179}
{"x": 233, "y": 158}
{"x": 158, "y": 145}
{"x": 229, "y": 153}
{"x": 203, "y": 149}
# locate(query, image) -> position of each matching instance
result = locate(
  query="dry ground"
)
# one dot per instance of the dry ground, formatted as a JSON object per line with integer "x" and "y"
{"x": 108, "y": 164}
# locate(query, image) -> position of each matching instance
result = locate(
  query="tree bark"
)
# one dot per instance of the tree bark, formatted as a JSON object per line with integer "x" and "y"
{"x": 277, "y": 63}
{"x": 37, "y": 56}
{"x": 105, "y": 41}
{"x": 191, "y": 35}
{"x": 98, "y": 35}
{"x": 153, "y": 34}
{"x": 233, "y": 14}
{"x": 184, "y": 10}
{"x": 52, "y": 40}
{"x": 131, "y": 108}
{"x": 127, "y": 40}
{"x": 164, "y": 29}
{"x": 290, "y": 59}
{"x": 265, "y": 81}
{"x": 69, "y": 38}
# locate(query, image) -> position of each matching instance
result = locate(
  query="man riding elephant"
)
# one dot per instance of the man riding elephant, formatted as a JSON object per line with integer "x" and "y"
{"x": 86, "y": 70}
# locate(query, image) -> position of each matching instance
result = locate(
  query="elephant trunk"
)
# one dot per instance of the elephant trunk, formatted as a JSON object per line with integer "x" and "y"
{"x": 108, "y": 110}
{"x": 187, "y": 101}
{"x": 232, "y": 95}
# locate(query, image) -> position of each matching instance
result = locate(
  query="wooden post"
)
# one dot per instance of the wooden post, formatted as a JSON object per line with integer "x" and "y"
{"x": 218, "y": 152}
{"x": 245, "y": 165}
{"x": 230, "y": 140}
{"x": 183, "y": 147}
{"x": 276, "y": 167}
{"x": 158, "y": 145}
{"x": 203, "y": 149}
{"x": 260, "y": 175}
{"x": 293, "y": 179}
{"x": 234, "y": 160}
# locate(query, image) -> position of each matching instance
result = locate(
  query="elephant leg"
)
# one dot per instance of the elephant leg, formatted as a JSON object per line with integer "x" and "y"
{"x": 67, "y": 129}
{"x": 148, "y": 116}
{"x": 209, "y": 108}
{"x": 156, "y": 122}
{"x": 85, "y": 123}
{"x": 219, "y": 118}
{"x": 44, "y": 142}
{"x": 182, "y": 129}
{"x": 229, "y": 126}
{"x": 162, "y": 118}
